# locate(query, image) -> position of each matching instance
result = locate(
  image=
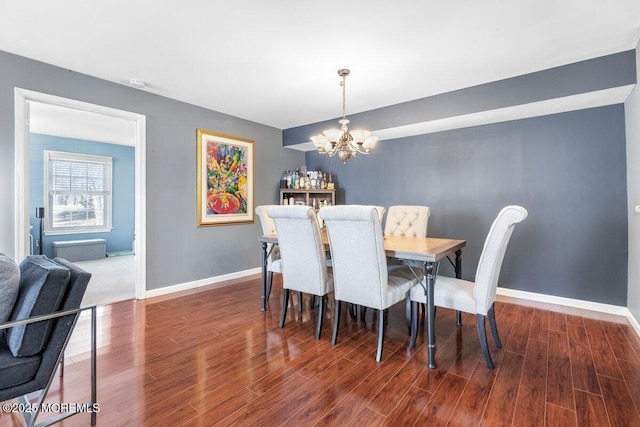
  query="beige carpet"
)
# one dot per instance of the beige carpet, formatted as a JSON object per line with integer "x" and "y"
{"x": 112, "y": 279}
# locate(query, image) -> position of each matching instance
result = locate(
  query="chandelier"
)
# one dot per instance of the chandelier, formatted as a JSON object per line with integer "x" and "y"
{"x": 344, "y": 143}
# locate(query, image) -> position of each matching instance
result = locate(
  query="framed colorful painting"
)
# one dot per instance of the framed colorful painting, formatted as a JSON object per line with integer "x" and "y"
{"x": 225, "y": 179}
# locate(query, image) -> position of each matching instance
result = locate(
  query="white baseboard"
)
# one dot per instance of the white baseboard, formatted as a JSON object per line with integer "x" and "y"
{"x": 202, "y": 282}
{"x": 573, "y": 303}
{"x": 568, "y": 302}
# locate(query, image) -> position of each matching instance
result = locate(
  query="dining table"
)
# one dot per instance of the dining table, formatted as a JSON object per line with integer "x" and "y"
{"x": 429, "y": 250}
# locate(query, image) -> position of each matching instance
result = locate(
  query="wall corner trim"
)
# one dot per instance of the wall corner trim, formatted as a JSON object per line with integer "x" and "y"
{"x": 634, "y": 322}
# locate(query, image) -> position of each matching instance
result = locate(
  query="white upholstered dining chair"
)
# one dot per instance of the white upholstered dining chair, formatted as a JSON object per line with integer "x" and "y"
{"x": 381, "y": 211}
{"x": 360, "y": 264}
{"x": 407, "y": 220}
{"x": 274, "y": 265}
{"x": 410, "y": 221}
{"x": 304, "y": 266}
{"x": 476, "y": 297}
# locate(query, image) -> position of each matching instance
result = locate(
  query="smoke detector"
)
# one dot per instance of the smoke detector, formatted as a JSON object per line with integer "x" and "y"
{"x": 138, "y": 84}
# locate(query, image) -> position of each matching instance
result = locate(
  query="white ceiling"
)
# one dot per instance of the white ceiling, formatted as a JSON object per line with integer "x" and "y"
{"x": 275, "y": 62}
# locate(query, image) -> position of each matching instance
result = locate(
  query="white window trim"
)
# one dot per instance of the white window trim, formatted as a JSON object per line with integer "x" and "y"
{"x": 88, "y": 158}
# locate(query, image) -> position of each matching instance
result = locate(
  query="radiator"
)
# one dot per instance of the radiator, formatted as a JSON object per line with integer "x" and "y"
{"x": 80, "y": 250}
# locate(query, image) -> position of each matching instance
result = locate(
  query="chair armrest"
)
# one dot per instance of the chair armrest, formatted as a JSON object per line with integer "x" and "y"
{"x": 30, "y": 417}
{"x": 43, "y": 317}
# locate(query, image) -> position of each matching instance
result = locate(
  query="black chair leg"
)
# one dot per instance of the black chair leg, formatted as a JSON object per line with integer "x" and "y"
{"x": 363, "y": 313}
{"x": 407, "y": 313}
{"x": 414, "y": 324}
{"x": 285, "y": 303}
{"x": 494, "y": 327}
{"x": 300, "y": 302}
{"x": 269, "y": 283}
{"x": 380, "y": 334}
{"x": 482, "y": 334}
{"x": 458, "y": 318}
{"x": 422, "y": 311}
{"x": 352, "y": 311}
{"x": 322, "y": 304}
{"x": 336, "y": 322}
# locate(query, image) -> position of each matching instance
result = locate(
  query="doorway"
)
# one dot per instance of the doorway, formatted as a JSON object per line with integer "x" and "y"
{"x": 121, "y": 125}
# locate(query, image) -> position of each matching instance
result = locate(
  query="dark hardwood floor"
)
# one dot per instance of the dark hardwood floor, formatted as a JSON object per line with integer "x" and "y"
{"x": 211, "y": 357}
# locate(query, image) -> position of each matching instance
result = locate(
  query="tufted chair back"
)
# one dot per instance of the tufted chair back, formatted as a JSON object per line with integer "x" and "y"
{"x": 403, "y": 220}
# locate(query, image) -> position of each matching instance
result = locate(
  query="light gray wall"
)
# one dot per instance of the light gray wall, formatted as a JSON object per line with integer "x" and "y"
{"x": 632, "y": 118}
{"x": 177, "y": 250}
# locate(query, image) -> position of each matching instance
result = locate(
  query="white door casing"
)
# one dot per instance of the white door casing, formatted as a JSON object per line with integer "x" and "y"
{"x": 22, "y": 116}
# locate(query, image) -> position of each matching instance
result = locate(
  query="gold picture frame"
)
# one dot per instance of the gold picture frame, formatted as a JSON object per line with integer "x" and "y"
{"x": 225, "y": 179}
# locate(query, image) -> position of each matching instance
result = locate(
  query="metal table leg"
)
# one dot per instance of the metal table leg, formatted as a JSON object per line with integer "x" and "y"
{"x": 430, "y": 279}
{"x": 458, "y": 270}
{"x": 430, "y": 318}
{"x": 264, "y": 276}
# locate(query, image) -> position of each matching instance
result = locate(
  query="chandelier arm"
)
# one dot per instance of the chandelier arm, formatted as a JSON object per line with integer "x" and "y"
{"x": 357, "y": 148}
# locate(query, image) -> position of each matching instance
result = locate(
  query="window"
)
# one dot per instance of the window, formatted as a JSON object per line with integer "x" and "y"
{"x": 77, "y": 193}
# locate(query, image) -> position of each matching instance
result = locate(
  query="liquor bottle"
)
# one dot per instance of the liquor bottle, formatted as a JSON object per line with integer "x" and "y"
{"x": 313, "y": 179}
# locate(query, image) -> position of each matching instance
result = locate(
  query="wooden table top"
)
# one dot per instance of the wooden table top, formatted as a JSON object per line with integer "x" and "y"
{"x": 424, "y": 249}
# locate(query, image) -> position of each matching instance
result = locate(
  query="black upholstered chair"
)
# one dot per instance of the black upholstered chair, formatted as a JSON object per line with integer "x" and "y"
{"x": 33, "y": 340}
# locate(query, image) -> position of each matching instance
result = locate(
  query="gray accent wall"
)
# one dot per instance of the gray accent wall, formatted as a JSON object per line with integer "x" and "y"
{"x": 568, "y": 170}
{"x": 177, "y": 250}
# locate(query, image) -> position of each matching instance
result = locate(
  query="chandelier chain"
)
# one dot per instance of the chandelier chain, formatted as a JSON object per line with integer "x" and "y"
{"x": 343, "y": 83}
